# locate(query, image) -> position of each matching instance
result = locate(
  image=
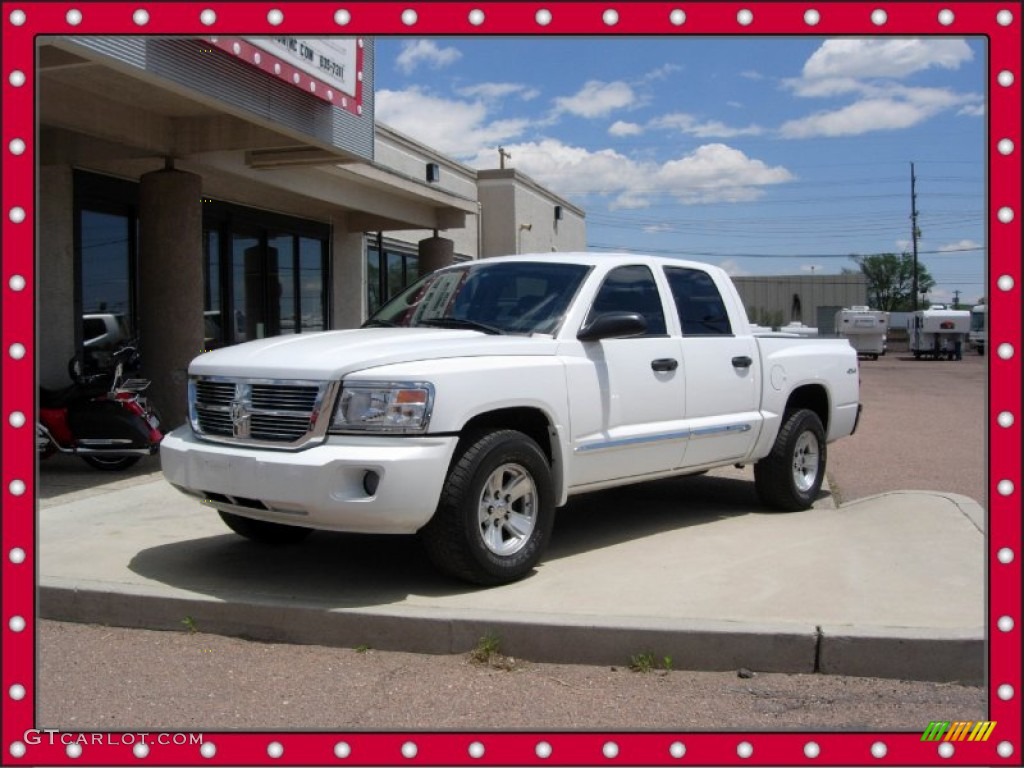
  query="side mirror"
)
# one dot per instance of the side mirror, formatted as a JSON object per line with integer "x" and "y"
{"x": 613, "y": 325}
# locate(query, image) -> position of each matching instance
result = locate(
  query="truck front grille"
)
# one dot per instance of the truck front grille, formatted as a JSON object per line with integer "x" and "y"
{"x": 284, "y": 414}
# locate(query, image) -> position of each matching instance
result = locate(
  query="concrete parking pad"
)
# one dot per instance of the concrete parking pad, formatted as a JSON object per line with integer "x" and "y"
{"x": 692, "y": 568}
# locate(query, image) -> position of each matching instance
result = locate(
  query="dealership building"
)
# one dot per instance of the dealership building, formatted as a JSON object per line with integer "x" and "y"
{"x": 209, "y": 191}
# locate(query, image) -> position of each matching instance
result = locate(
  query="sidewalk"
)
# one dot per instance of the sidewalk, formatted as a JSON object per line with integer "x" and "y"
{"x": 888, "y": 586}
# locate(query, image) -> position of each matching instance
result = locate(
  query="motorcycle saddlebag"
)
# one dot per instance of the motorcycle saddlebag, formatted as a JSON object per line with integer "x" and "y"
{"x": 108, "y": 421}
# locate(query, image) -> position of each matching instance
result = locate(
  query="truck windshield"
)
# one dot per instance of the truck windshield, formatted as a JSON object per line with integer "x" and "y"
{"x": 519, "y": 297}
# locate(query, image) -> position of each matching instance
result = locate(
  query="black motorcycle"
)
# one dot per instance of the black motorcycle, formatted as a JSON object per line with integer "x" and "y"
{"x": 103, "y": 418}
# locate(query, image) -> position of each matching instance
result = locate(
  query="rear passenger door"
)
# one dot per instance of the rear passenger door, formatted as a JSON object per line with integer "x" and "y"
{"x": 626, "y": 395}
{"x": 720, "y": 370}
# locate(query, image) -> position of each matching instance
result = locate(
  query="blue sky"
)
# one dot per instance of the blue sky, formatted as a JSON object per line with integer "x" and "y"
{"x": 772, "y": 155}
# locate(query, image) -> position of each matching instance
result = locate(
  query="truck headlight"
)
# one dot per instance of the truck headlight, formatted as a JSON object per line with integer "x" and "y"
{"x": 395, "y": 407}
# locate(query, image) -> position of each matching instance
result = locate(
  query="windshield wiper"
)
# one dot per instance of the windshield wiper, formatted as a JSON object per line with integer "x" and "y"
{"x": 379, "y": 324}
{"x": 458, "y": 322}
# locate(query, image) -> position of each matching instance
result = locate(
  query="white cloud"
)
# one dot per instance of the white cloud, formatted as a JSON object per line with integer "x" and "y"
{"x": 751, "y": 74}
{"x": 709, "y": 129}
{"x": 621, "y": 128}
{"x": 733, "y": 268}
{"x": 416, "y": 52}
{"x": 962, "y": 245}
{"x": 972, "y": 110}
{"x": 597, "y": 99}
{"x": 496, "y": 91}
{"x": 457, "y": 128}
{"x": 711, "y": 173}
{"x": 869, "y": 70}
{"x": 884, "y": 57}
{"x": 855, "y": 119}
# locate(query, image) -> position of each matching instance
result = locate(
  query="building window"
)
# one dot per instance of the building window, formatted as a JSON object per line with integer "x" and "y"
{"x": 106, "y": 245}
{"x": 389, "y": 274}
{"x": 266, "y": 274}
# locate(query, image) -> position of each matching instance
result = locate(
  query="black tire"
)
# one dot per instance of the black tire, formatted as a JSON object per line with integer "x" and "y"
{"x": 789, "y": 478}
{"x": 467, "y": 536}
{"x": 111, "y": 463}
{"x": 263, "y": 532}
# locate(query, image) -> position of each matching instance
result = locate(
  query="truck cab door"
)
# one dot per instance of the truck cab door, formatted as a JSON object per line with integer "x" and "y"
{"x": 721, "y": 369}
{"x": 626, "y": 395}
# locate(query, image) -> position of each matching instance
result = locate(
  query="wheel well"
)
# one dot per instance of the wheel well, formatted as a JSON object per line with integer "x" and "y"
{"x": 529, "y": 421}
{"x": 812, "y": 397}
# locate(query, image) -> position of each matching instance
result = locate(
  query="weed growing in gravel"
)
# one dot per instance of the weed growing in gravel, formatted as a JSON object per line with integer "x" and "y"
{"x": 190, "y": 625}
{"x": 646, "y": 662}
{"x": 488, "y": 653}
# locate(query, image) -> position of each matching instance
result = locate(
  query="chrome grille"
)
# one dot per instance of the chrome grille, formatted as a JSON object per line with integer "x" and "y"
{"x": 282, "y": 414}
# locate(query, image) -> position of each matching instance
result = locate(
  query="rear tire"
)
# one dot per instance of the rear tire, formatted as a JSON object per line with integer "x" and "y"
{"x": 496, "y": 511}
{"x": 789, "y": 478}
{"x": 263, "y": 532}
{"x": 111, "y": 463}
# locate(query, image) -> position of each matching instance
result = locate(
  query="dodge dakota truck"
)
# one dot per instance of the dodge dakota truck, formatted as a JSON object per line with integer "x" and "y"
{"x": 473, "y": 405}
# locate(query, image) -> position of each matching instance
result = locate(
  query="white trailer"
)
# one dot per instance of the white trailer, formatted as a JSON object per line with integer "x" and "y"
{"x": 864, "y": 328}
{"x": 978, "y": 332}
{"x": 938, "y": 332}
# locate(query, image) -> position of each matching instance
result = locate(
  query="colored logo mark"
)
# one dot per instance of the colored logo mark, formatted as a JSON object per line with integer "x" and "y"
{"x": 959, "y": 730}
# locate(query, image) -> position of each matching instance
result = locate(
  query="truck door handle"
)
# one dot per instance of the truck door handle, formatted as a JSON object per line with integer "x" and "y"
{"x": 664, "y": 364}
{"x": 741, "y": 362}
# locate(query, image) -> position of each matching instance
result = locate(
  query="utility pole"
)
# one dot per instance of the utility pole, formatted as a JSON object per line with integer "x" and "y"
{"x": 503, "y": 155}
{"x": 913, "y": 227}
{"x": 956, "y": 299}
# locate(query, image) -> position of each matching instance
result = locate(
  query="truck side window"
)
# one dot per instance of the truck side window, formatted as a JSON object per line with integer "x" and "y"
{"x": 631, "y": 289}
{"x": 698, "y": 302}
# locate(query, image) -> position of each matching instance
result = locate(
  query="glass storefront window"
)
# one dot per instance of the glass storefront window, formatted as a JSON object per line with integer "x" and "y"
{"x": 400, "y": 269}
{"x": 311, "y": 283}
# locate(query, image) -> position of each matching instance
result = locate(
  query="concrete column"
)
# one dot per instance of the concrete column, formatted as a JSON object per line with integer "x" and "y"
{"x": 55, "y": 276}
{"x": 434, "y": 253}
{"x": 170, "y": 282}
{"x": 348, "y": 267}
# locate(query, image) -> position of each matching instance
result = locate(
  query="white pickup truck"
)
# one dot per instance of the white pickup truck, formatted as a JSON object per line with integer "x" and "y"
{"x": 479, "y": 400}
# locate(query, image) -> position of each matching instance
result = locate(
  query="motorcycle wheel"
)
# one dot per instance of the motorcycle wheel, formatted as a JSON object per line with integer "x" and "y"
{"x": 111, "y": 463}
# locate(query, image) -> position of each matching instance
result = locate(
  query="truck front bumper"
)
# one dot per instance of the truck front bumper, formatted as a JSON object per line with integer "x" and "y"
{"x": 362, "y": 484}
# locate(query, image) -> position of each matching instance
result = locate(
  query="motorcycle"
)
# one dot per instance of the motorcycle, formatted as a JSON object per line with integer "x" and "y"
{"x": 103, "y": 418}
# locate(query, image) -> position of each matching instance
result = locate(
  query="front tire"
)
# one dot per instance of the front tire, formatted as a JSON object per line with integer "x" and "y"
{"x": 789, "y": 478}
{"x": 263, "y": 532}
{"x": 496, "y": 512}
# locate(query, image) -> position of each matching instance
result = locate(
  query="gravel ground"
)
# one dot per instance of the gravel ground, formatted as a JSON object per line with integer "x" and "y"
{"x": 923, "y": 428}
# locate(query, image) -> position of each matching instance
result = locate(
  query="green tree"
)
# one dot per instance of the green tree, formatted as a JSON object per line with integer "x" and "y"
{"x": 890, "y": 279}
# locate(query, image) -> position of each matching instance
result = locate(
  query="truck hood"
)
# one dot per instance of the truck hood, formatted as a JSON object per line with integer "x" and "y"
{"x": 333, "y": 354}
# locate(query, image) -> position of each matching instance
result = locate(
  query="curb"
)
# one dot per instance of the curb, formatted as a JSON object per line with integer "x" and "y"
{"x": 714, "y": 646}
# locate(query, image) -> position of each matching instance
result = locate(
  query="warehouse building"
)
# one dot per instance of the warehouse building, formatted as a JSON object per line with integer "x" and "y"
{"x": 811, "y": 300}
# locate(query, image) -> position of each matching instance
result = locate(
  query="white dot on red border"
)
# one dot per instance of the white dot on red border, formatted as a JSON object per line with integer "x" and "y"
{"x": 1005, "y": 214}
{"x": 16, "y": 351}
{"x": 17, "y": 749}
{"x": 342, "y": 750}
{"x": 879, "y": 17}
{"x": 677, "y": 749}
{"x": 275, "y": 16}
{"x": 409, "y": 17}
{"x": 1005, "y": 555}
{"x": 1005, "y": 624}
{"x": 17, "y": 624}
{"x": 879, "y": 750}
{"x": 1005, "y": 749}
{"x": 275, "y": 749}
{"x": 1005, "y": 146}
{"x": 1004, "y": 18}
{"x": 543, "y": 17}
{"x": 812, "y": 18}
{"x": 1005, "y": 487}
{"x": 74, "y": 751}
{"x": 745, "y": 17}
{"x": 17, "y": 214}
{"x": 677, "y": 17}
{"x": 1005, "y": 283}
{"x": 16, "y": 78}
{"x": 16, "y": 692}
{"x": 141, "y": 17}
{"x": 208, "y": 749}
{"x": 16, "y": 283}
{"x": 476, "y": 750}
{"x": 16, "y": 146}
{"x": 543, "y": 750}
{"x": 1005, "y": 351}
{"x": 16, "y": 555}
{"x": 16, "y": 419}
{"x": 744, "y": 749}
{"x": 409, "y": 750}
{"x": 1005, "y": 692}
{"x": 342, "y": 17}
{"x": 16, "y": 487}
{"x": 476, "y": 17}
{"x": 946, "y": 750}
{"x": 208, "y": 17}
{"x": 946, "y": 17}
{"x": 17, "y": 17}
{"x": 1005, "y": 419}
{"x": 610, "y": 750}
{"x": 141, "y": 750}
{"x": 1005, "y": 78}
{"x": 73, "y": 17}
{"x": 610, "y": 17}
